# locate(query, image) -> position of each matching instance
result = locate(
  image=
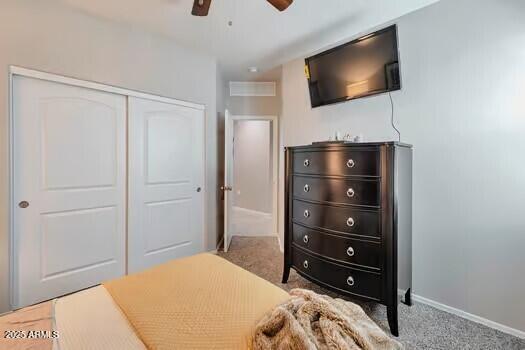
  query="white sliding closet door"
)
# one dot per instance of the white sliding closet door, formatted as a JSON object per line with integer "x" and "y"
{"x": 166, "y": 177}
{"x": 69, "y": 188}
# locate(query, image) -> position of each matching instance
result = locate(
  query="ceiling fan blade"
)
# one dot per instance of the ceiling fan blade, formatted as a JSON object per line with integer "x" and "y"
{"x": 281, "y": 5}
{"x": 201, "y": 7}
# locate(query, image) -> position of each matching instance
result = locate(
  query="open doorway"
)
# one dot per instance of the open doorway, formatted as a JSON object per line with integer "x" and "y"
{"x": 251, "y": 160}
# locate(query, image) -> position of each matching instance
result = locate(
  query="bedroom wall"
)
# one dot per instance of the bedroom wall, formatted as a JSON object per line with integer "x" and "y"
{"x": 252, "y": 165}
{"x": 43, "y": 35}
{"x": 462, "y": 106}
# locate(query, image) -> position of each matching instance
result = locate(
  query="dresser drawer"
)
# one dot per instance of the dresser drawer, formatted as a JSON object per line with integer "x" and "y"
{"x": 363, "y": 162}
{"x": 338, "y": 276}
{"x": 339, "y": 248}
{"x": 336, "y": 190}
{"x": 340, "y": 219}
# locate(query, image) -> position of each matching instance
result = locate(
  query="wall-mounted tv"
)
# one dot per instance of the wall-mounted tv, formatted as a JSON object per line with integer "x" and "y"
{"x": 363, "y": 67}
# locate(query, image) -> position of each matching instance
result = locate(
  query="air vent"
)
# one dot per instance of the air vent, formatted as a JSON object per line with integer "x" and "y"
{"x": 249, "y": 88}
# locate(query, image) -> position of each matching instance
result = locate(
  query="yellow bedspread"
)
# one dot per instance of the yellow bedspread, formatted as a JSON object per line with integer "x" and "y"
{"x": 200, "y": 302}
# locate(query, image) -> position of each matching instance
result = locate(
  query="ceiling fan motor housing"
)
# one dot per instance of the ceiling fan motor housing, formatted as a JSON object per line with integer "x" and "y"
{"x": 202, "y": 7}
{"x": 281, "y": 5}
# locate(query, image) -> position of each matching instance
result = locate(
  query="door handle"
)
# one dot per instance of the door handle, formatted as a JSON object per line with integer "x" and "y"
{"x": 226, "y": 188}
{"x": 23, "y": 204}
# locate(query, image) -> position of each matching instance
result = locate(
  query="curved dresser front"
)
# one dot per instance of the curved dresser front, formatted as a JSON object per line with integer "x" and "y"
{"x": 348, "y": 219}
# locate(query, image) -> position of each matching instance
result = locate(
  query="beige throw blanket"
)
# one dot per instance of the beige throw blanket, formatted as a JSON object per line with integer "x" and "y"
{"x": 312, "y": 321}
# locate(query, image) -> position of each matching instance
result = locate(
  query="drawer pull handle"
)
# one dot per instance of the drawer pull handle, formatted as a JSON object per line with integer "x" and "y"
{"x": 350, "y": 192}
{"x": 350, "y": 251}
{"x": 305, "y": 239}
{"x": 306, "y": 214}
{"x": 350, "y": 163}
{"x": 306, "y": 188}
{"x": 350, "y": 222}
{"x": 350, "y": 281}
{"x": 305, "y": 264}
{"x": 306, "y": 163}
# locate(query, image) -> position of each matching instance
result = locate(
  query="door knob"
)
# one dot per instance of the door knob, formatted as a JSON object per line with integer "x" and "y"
{"x": 23, "y": 204}
{"x": 198, "y": 189}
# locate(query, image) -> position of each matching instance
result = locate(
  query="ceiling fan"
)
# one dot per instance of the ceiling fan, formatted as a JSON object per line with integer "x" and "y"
{"x": 202, "y": 7}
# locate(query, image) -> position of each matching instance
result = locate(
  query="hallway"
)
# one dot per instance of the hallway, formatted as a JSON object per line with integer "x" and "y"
{"x": 247, "y": 222}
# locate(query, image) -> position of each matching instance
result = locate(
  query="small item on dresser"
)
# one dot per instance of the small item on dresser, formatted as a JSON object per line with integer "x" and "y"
{"x": 348, "y": 138}
{"x": 337, "y": 324}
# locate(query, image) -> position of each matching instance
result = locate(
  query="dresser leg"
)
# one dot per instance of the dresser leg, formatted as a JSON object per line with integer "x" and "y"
{"x": 408, "y": 297}
{"x": 286, "y": 273}
{"x": 392, "y": 319}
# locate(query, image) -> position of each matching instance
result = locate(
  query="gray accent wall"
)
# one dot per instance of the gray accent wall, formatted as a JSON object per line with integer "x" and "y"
{"x": 44, "y": 35}
{"x": 462, "y": 106}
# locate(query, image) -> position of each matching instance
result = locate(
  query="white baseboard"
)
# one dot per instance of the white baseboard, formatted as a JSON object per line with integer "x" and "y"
{"x": 255, "y": 235}
{"x": 469, "y": 316}
{"x": 252, "y": 212}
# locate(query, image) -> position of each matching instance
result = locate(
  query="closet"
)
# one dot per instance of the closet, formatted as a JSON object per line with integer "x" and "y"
{"x": 105, "y": 182}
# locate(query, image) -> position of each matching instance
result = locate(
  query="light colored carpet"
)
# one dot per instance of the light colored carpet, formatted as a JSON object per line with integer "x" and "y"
{"x": 251, "y": 223}
{"x": 420, "y": 326}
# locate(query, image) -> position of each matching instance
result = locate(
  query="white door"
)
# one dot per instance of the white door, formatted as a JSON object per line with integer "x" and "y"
{"x": 166, "y": 182}
{"x": 229, "y": 158}
{"x": 228, "y": 179}
{"x": 69, "y": 188}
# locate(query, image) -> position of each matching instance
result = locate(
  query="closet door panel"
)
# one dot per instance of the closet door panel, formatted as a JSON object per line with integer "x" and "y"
{"x": 70, "y": 168}
{"x": 166, "y": 176}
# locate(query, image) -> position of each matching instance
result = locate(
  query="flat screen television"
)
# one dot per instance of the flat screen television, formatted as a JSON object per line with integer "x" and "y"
{"x": 363, "y": 67}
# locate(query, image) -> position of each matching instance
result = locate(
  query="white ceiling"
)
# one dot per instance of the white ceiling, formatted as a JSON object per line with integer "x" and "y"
{"x": 260, "y": 35}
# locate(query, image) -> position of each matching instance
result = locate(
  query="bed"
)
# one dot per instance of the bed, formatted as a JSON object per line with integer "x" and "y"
{"x": 200, "y": 302}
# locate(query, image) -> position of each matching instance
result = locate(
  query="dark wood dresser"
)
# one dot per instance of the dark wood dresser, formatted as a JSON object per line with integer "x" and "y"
{"x": 348, "y": 212}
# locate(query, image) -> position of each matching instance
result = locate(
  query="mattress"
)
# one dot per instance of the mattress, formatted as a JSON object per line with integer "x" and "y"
{"x": 200, "y": 302}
